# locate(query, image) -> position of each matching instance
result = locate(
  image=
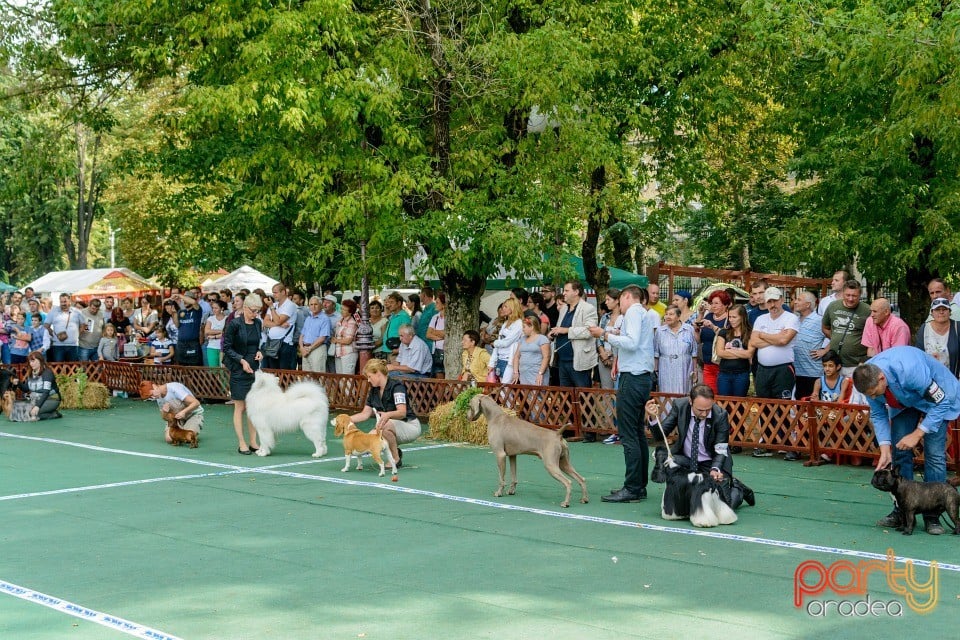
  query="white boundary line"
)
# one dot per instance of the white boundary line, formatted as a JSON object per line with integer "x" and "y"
{"x": 78, "y": 611}
{"x": 275, "y": 470}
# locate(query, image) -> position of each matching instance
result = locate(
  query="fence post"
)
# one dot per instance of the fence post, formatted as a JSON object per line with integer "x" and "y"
{"x": 813, "y": 433}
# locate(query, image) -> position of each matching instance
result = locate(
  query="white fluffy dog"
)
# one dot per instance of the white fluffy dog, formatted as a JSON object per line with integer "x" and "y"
{"x": 272, "y": 410}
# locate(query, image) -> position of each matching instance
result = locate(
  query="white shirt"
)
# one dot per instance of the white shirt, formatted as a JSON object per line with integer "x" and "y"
{"x": 64, "y": 322}
{"x": 825, "y": 302}
{"x": 285, "y": 308}
{"x": 177, "y": 394}
{"x": 771, "y": 356}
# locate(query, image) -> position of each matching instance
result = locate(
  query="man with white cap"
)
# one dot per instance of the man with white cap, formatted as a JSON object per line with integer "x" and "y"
{"x": 772, "y": 337}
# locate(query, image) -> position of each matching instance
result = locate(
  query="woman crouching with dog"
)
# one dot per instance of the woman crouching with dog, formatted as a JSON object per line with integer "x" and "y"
{"x": 242, "y": 356}
{"x": 41, "y": 386}
{"x": 388, "y": 402}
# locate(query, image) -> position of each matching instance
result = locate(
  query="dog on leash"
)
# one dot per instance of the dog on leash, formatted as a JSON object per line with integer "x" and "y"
{"x": 178, "y": 435}
{"x": 510, "y": 436}
{"x": 918, "y": 497}
{"x": 356, "y": 442}
{"x": 16, "y": 410}
{"x": 694, "y": 496}
{"x": 273, "y": 411}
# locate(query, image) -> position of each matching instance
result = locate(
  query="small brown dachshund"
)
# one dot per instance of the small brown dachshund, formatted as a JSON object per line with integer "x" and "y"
{"x": 177, "y": 435}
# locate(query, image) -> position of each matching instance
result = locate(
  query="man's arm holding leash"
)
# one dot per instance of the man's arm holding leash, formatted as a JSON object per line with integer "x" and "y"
{"x": 192, "y": 404}
{"x": 721, "y": 444}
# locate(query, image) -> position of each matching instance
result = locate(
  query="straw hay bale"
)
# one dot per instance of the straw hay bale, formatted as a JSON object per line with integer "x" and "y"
{"x": 93, "y": 396}
{"x": 446, "y": 424}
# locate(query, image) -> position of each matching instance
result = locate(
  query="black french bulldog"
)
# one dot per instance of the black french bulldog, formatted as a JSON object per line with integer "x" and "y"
{"x": 918, "y": 497}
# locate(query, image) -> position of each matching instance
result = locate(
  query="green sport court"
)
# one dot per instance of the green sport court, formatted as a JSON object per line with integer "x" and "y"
{"x": 109, "y": 532}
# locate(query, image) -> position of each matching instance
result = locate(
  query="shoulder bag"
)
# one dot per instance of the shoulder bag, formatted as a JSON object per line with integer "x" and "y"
{"x": 272, "y": 348}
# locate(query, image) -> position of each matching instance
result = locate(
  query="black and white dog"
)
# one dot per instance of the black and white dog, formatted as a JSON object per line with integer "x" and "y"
{"x": 695, "y": 496}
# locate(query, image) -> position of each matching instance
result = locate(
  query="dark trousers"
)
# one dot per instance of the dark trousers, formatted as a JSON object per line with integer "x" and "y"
{"x": 632, "y": 395}
{"x": 63, "y": 353}
{"x": 188, "y": 353}
{"x": 285, "y": 359}
{"x": 570, "y": 377}
{"x": 774, "y": 382}
{"x": 805, "y": 387}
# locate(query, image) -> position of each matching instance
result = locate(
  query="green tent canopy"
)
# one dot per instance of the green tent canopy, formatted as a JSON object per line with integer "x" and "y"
{"x": 619, "y": 278}
{"x": 4, "y": 287}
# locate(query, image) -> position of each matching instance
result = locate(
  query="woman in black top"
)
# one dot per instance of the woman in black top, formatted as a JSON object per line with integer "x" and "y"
{"x": 241, "y": 356}
{"x": 396, "y": 419}
{"x": 735, "y": 352}
{"x": 41, "y": 386}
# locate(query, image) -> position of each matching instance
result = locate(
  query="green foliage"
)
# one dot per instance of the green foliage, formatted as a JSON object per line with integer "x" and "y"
{"x": 462, "y": 402}
{"x": 871, "y": 88}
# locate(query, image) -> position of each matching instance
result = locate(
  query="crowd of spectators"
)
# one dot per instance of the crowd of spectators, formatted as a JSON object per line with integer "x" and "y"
{"x": 535, "y": 338}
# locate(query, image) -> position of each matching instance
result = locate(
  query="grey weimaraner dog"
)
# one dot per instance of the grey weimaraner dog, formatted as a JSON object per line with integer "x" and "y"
{"x": 510, "y": 436}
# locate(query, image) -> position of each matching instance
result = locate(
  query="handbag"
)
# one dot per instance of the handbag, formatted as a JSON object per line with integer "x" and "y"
{"x": 272, "y": 348}
{"x": 438, "y": 358}
{"x": 492, "y": 376}
{"x": 393, "y": 343}
{"x": 714, "y": 356}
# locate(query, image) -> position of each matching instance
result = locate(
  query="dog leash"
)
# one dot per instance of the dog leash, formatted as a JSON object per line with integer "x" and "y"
{"x": 664, "y": 434}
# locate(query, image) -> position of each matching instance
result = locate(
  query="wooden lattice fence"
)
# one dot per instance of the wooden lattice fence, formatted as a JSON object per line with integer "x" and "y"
{"x": 842, "y": 431}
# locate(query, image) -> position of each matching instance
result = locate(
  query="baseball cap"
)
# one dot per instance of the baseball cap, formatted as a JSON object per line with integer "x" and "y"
{"x": 772, "y": 293}
{"x": 939, "y": 303}
{"x": 330, "y": 297}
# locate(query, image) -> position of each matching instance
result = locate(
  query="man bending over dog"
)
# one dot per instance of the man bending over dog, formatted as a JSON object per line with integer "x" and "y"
{"x": 173, "y": 396}
{"x": 902, "y": 383}
{"x": 702, "y": 426}
{"x": 388, "y": 401}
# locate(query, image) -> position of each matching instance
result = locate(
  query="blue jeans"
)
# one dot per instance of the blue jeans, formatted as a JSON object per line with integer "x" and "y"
{"x": 4, "y": 353}
{"x": 87, "y": 355}
{"x": 934, "y": 447}
{"x": 733, "y": 384}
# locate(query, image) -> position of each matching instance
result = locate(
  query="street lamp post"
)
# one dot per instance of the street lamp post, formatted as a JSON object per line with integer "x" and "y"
{"x": 364, "y": 339}
{"x": 113, "y": 245}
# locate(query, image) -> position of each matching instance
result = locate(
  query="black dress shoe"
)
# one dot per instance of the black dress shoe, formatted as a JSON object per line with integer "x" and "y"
{"x": 589, "y": 437}
{"x": 399, "y": 458}
{"x": 623, "y": 495}
{"x": 244, "y": 453}
{"x": 253, "y": 448}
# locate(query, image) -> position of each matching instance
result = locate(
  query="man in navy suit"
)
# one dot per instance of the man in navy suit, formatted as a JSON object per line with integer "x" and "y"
{"x": 702, "y": 434}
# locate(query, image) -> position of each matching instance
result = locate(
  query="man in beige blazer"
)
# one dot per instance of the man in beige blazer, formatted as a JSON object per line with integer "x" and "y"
{"x": 576, "y": 349}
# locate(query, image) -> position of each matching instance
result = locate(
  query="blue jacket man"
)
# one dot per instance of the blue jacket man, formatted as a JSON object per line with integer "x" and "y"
{"x": 902, "y": 383}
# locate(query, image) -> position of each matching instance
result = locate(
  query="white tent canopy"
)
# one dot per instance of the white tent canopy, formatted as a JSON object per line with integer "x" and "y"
{"x": 246, "y": 277}
{"x": 57, "y": 282}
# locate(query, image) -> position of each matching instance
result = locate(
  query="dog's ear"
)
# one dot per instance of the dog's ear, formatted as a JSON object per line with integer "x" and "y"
{"x": 896, "y": 471}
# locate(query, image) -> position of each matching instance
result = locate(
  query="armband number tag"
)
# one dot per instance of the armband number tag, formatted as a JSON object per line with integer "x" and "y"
{"x": 934, "y": 393}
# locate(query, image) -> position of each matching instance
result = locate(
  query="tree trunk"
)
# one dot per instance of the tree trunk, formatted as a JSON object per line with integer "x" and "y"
{"x": 597, "y": 278}
{"x": 914, "y": 299}
{"x": 462, "y": 313}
